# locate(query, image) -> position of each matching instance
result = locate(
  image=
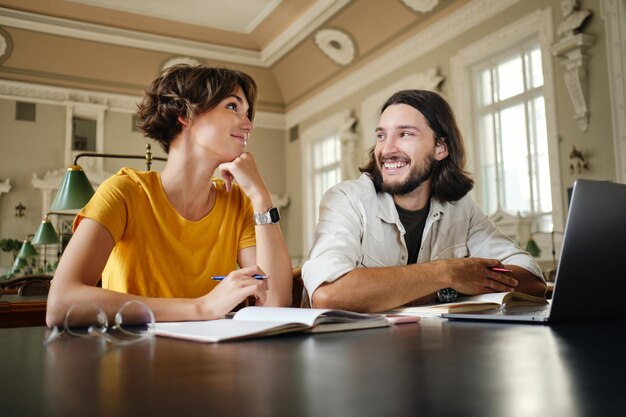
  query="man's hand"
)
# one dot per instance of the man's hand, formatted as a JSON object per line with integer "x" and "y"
{"x": 474, "y": 276}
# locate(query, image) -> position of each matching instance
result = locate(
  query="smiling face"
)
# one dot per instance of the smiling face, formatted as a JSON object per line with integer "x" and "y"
{"x": 225, "y": 129}
{"x": 406, "y": 151}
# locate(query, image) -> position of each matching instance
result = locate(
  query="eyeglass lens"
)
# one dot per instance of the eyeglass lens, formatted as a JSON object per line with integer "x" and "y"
{"x": 133, "y": 322}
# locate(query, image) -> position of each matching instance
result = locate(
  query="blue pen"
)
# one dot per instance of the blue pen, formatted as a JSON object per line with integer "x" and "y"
{"x": 221, "y": 277}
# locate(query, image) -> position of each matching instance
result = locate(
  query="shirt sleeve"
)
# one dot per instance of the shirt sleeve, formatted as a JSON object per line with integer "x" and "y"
{"x": 485, "y": 240}
{"x": 336, "y": 246}
{"x": 109, "y": 206}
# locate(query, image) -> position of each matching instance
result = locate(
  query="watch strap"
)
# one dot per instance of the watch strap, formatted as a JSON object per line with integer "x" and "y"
{"x": 271, "y": 216}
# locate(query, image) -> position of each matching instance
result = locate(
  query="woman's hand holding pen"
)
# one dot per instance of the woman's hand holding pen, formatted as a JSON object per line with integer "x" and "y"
{"x": 232, "y": 290}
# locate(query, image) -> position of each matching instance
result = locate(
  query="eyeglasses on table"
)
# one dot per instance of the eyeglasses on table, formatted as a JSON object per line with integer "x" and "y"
{"x": 134, "y": 322}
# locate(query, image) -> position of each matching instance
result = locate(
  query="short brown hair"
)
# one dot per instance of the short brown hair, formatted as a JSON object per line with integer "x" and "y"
{"x": 449, "y": 181}
{"x": 184, "y": 90}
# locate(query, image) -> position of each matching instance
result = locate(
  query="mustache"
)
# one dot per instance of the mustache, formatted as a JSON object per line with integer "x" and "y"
{"x": 398, "y": 156}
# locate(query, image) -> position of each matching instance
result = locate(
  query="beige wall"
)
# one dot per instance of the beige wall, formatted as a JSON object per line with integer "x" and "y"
{"x": 596, "y": 143}
{"x": 27, "y": 148}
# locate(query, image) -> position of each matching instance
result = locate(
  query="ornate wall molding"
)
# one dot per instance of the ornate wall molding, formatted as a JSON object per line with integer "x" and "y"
{"x": 5, "y": 186}
{"x": 336, "y": 45}
{"x": 14, "y": 90}
{"x": 572, "y": 47}
{"x": 614, "y": 15}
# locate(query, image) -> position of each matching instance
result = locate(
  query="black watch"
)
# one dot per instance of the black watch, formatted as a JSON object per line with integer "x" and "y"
{"x": 271, "y": 216}
{"x": 447, "y": 295}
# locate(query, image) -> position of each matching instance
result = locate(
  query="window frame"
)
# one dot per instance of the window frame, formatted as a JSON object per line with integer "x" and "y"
{"x": 335, "y": 125}
{"x": 536, "y": 27}
{"x": 494, "y": 109}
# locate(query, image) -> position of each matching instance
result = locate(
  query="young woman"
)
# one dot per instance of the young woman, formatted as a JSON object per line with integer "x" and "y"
{"x": 160, "y": 238}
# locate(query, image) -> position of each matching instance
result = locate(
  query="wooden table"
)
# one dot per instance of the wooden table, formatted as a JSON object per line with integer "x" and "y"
{"x": 433, "y": 368}
{"x": 20, "y": 311}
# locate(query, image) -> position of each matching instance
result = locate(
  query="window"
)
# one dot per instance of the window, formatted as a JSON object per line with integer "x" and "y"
{"x": 84, "y": 134}
{"x": 326, "y": 167}
{"x": 321, "y": 147}
{"x": 512, "y": 140}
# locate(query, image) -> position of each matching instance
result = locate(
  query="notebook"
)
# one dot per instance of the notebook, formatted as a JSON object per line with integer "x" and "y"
{"x": 590, "y": 279}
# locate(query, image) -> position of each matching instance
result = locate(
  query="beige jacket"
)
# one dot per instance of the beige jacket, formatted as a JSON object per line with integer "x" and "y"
{"x": 359, "y": 228}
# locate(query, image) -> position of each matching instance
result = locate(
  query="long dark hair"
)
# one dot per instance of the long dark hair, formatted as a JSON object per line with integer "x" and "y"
{"x": 449, "y": 180}
{"x": 184, "y": 90}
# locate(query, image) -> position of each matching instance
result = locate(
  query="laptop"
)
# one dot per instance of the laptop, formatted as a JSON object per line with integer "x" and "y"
{"x": 591, "y": 275}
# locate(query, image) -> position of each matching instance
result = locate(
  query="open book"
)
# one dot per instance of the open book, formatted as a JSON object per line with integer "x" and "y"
{"x": 473, "y": 303}
{"x": 266, "y": 321}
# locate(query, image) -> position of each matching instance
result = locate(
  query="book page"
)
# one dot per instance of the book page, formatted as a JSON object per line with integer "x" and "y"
{"x": 470, "y": 304}
{"x": 504, "y": 297}
{"x": 305, "y": 316}
{"x": 437, "y": 309}
{"x": 308, "y": 316}
{"x": 220, "y": 330}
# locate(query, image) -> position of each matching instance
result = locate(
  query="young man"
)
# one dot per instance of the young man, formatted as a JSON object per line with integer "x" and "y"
{"x": 406, "y": 232}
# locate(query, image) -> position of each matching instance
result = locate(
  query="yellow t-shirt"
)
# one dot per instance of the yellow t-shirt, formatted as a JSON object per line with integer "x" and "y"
{"x": 157, "y": 252}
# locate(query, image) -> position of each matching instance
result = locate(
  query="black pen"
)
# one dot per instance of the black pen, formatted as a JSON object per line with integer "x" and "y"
{"x": 257, "y": 276}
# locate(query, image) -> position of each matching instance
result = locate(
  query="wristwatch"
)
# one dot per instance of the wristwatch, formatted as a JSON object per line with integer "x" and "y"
{"x": 447, "y": 295}
{"x": 271, "y": 216}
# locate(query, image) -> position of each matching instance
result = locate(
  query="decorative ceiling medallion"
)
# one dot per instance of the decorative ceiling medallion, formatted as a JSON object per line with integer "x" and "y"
{"x": 421, "y": 6}
{"x": 6, "y": 45}
{"x": 181, "y": 60}
{"x": 336, "y": 44}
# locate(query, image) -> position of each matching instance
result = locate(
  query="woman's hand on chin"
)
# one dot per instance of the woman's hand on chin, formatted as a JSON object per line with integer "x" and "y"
{"x": 244, "y": 169}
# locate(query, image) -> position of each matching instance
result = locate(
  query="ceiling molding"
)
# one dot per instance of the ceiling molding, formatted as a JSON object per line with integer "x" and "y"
{"x": 451, "y": 26}
{"x": 241, "y": 16}
{"x": 37, "y": 93}
{"x": 126, "y": 38}
{"x": 336, "y": 45}
{"x": 309, "y": 22}
{"x": 275, "y": 50}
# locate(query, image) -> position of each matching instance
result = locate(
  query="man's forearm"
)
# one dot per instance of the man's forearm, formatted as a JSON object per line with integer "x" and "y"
{"x": 379, "y": 289}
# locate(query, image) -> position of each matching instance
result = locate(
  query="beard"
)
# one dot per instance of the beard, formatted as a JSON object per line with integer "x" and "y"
{"x": 417, "y": 176}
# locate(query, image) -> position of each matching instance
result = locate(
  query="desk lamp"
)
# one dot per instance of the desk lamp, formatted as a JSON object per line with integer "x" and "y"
{"x": 76, "y": 190}
{"x": 21, "y": 260}
{"x": 45, "y": 235}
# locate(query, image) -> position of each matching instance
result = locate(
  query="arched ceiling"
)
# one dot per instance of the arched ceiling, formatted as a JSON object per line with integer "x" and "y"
{"x": 293, "y": 48}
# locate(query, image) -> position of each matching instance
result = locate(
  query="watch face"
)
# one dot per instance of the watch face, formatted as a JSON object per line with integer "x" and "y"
{"x": 447, "y": 295}
{"x": 274, "y": 215}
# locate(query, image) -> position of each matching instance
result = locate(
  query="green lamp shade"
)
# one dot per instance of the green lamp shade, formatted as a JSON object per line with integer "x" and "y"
{"x": 27, "y": 250}
{"x": 45, "y": 235}
{"x": 75, "y": 190}
{"x": 17, "y": 266}
{"x": 533, "y": 248}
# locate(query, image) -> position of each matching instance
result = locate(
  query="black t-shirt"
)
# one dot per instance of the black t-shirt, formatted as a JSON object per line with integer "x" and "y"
{"x": 414, "y": 223}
